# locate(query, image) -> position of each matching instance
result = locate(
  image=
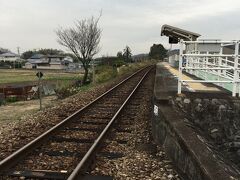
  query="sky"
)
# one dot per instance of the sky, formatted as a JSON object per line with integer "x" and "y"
{"x": 31, "y": 24}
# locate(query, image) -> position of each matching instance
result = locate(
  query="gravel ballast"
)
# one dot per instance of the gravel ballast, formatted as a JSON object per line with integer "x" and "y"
{"x": 142, "y": 158}
{"x": 16, "y": 134}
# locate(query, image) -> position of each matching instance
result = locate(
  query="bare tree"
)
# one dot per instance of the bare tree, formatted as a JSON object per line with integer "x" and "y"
{"x": 83, "y": 40}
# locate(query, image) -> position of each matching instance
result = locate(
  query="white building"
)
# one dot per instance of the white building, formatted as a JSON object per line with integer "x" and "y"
{"x": 68, "y": 58}
{"x": 10, "y": 57}
{"x": 40, "y": 61}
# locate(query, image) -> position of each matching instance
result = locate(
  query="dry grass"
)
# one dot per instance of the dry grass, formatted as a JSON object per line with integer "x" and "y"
{"x": 16, "y": 76}
{"x": 16, "y": 111}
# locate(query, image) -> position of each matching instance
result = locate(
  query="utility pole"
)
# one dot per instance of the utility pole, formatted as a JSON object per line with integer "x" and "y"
{"x": 40, "y": 92}
{"x": 40, "y": 75}
{"x": 18, "y": 51}
{"x": 93, "y": 68}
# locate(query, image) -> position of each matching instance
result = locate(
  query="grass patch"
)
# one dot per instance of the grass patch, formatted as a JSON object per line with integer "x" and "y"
{"x": 11, "y": 99}
{"x": 105, "y": 73}
{"x": 17, "y": 111}
{"x": 85, "y": 87}
{"x": 130, "y": 68}
{"x": 66, "y": 90}
{"x": 17, "y": 76}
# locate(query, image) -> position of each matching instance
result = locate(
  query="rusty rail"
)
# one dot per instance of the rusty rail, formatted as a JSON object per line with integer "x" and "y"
{"x": 92, "y": 151}
{"x": 14, "y": 158}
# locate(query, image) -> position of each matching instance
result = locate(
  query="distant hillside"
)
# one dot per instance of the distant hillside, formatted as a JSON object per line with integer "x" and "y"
{"x": 140, "y": 57}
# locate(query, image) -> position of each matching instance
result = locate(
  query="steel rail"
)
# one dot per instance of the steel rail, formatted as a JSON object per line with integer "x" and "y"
{"x": 12, "y": 159}
{"x": 77, "y": 172}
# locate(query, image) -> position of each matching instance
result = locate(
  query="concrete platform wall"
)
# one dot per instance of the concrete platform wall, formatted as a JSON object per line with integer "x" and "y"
{"x": 194, "y": 159}
{"x": 188, "y": 151}
{"x": 165, "y": 135}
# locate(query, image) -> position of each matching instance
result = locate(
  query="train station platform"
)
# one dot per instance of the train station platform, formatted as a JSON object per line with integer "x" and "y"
{"x": 191, "y": 86}
{"x": 166, "y": 83}
{"x": 172, "y": 129}
{"x": 170, "y": 73}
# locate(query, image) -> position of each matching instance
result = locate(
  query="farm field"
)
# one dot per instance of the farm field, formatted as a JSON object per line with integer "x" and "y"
{"x": 18, "y": 76}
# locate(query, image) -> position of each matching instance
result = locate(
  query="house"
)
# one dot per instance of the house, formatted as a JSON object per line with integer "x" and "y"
{"x": 10, "y": 57}
{"x": 68, "y": 58}
{"x": 40, "y": 61}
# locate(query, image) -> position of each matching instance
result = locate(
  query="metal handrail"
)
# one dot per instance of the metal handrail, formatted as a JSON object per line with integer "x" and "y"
{"x": 218, "y": 64}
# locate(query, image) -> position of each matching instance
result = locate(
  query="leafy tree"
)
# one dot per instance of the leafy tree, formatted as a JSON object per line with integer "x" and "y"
{"x": 27, "y": 54}
{"x": 140, "y": 57}
{"x": 50, "y": 51}
{"x": 111, "y": 61}
{"x": 157, "y": 51}
{"x": 30, "y": 53}
{"x": 127, "y": 54}
{"x": 119, "y": 61}
{"x": 83, "y": 40}
{"x": 120, "y": 55}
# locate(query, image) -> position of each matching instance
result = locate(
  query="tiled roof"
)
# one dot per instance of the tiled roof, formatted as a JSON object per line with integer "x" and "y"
{"x": 37, "y": 56}
{"x": 9, "y": 54}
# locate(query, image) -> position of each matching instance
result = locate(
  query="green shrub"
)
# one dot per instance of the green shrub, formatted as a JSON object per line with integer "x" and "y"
{"x": 119, "y": 63}
{"x": 11, "y": 99}
{"x": 105, "y": 73}
{"x": 2, "y": 102}
{"x": 64, "y": 89}
{"x": 130, "y": 68}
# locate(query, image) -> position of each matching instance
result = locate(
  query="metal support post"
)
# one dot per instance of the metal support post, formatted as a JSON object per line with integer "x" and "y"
{"x": 235, "y": 77}
{"x": 226, "y": 64}
{"x": 180, "y": 68}
{"x": 40, "y": 75}
{"x": 40, "y": 92}
{"x": 238, "y": 84}
{"x": 206, "y": 71}
{"x": 220, "y": 64}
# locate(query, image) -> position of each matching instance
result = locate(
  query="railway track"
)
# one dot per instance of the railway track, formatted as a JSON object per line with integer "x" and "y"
{"x": 68, "y": 149}
{"x": 137, "y": 156}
